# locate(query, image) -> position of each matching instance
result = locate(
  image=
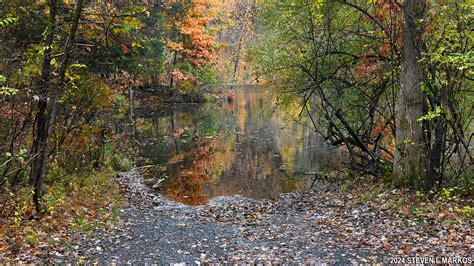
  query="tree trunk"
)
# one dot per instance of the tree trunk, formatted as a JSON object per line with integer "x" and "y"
{"x": 410, "y": 159}
{"x": 40, "y": 142}
{"x": 44, "y": 119}
{"x": 175, "y": 56}
{"x": 237, "y": 59}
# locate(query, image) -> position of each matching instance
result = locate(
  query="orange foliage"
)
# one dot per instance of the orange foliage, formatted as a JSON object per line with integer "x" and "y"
{"x": 195, "y": 44}
{"x": 387, "y": 14}
{"x": 381, "y": 128}
{"x": 366, "y": 66}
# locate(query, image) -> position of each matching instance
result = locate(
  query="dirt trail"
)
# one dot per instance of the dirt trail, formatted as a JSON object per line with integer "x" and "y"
{"x": 316, "y": 228}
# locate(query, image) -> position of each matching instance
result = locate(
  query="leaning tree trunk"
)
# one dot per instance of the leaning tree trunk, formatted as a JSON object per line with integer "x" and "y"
{"x": 410, "y": 159}
{"x": 45, "y": 119}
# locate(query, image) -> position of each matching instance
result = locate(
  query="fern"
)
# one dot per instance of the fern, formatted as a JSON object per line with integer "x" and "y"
{"x": 8, "y": 21}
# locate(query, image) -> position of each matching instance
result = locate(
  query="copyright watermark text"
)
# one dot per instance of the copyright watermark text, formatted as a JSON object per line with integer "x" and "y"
{"x": 428, "y": 260}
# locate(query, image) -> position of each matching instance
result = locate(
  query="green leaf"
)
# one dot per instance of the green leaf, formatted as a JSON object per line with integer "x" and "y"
{"x": 430, "y": 115}
{"x": 8, "y": 21}
{"x": 8, "y": 91}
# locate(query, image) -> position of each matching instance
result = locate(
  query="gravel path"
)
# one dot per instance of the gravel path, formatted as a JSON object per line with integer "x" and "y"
{"x": 155, "y": 230}
{"x": 316, "y": 228}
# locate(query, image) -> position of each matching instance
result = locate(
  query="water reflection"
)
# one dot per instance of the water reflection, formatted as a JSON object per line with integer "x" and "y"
{"x": 195, "y": 153}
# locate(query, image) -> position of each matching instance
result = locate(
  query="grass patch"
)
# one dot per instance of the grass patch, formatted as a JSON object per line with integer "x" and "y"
{"x": 80, "y": 203}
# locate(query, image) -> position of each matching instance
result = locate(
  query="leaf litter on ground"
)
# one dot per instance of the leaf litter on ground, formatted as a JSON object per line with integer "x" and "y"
{"x": 318, "y": 227}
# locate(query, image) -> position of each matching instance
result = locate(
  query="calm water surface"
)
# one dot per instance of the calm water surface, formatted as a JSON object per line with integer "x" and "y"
{"x": 193, "y": 153}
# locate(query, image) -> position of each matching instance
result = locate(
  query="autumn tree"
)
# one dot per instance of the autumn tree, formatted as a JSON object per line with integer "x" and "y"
{"x": 65, "y": 64}
{"x": 49, "y": 96}
{"x": 190, "y": 44}
{"x": 365, "y": 73}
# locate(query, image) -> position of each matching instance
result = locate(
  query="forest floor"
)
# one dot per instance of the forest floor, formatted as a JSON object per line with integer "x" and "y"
{"x": 316, "y": 227}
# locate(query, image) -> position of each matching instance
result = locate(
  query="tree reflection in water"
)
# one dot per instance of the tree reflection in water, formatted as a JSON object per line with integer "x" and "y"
{"x": 244, "y": 147}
